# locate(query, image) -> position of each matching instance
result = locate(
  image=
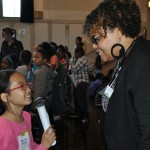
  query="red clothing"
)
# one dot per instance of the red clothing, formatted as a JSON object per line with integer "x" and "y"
{"x": 64, "y": 62}
{"x": 54, "y": 61}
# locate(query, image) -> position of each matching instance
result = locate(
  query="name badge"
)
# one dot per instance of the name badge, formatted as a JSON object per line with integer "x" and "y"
{"x": 24, "y": 142}
{"x": 108, "y": 91}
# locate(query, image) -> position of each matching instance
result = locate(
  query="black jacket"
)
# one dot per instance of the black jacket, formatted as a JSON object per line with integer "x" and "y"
{"x": 127, "y": 120}
{"x": 15, "y": 48}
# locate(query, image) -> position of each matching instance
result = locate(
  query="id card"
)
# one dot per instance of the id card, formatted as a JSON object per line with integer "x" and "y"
{"x": 108, "y": 91}
{"x": 24, "y": 143}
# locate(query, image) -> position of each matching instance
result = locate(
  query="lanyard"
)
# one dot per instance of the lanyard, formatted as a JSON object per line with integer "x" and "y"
{"x": 110, "y": 87}
{"x": 115, "y": 74}
{"x": 119, "y": 66}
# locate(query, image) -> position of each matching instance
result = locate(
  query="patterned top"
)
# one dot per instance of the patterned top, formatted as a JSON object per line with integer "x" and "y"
{"x": 42, "y": 81}
{"x": 79, "y": 69}
{"x": 105, "y": 99}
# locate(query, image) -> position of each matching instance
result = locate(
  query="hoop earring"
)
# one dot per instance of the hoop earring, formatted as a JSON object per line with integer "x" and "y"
{"x": 121, "y": 51}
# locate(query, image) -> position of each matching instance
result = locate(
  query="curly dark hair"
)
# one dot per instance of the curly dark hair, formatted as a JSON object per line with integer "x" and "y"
{"x": 123, "y": 14}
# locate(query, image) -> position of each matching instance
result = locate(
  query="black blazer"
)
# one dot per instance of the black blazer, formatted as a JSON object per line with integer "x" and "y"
{"x": 127, "y": 120}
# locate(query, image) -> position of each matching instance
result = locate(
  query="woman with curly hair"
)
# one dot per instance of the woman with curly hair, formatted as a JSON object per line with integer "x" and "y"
{"x": 114, "y": 27}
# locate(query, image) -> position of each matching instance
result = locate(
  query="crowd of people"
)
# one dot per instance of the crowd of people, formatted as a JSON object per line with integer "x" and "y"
{"x": 47, "y": 72}
{"x": 41, "y": 73}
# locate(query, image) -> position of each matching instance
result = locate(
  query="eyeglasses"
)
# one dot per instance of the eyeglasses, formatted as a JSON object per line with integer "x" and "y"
{"x": 95, "y": 39}
{"x": 22, "y": 86}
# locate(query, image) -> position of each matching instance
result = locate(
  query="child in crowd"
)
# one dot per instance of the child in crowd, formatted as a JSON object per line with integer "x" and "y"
{"x": 10, "y": 62}
{"x": 42, "y": 82}
{"x": 61, "y": 54}
{"x": 79, "y": 43}
{"x": 25, "y": 60}
{"x": 79, "y": 68}
{"x": 54, "y": 59}
{"x": 15, "y": 124}
{"x": 59, "y": 105}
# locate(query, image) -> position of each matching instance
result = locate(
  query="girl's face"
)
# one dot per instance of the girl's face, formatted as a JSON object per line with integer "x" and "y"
{"x": 19, "y": 95}
{"x": 5, "y": 64}
{"x": 37, "y": 59}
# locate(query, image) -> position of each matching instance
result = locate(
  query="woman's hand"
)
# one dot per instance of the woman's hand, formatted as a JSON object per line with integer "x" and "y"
{"x": 48, "y": 137}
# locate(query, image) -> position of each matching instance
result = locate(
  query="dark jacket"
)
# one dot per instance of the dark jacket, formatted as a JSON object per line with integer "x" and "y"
{"x": 15, "y": 48}
{"x": 127, "y": 120}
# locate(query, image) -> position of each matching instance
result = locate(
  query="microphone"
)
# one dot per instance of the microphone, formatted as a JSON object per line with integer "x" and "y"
{"x": 44, "y": 117}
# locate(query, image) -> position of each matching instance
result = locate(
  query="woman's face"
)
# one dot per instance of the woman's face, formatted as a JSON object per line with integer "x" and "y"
{"x": 104, "y": 45}
{"x": 5, "y": 36}
{"x": 18, "y": 97}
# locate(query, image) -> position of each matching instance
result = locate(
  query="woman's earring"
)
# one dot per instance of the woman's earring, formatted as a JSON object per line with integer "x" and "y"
{"x": 121, "y": 51}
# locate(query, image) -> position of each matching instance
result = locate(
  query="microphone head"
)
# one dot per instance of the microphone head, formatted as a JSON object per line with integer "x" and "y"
{"x": 40, "y": 101}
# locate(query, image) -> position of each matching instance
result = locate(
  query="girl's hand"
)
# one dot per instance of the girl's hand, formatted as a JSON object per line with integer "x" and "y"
{"x": 48, "y": 137}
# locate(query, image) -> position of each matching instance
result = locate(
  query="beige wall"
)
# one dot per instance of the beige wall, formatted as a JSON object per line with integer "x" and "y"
{"x": 62, "y": 21}
{"x": 67, "y": 9}
{"x": 74, "y": 5}
{"x": 145, "y": 15}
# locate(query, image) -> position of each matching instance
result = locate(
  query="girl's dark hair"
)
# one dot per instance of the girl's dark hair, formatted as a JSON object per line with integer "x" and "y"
{"x": 4, "y": 84}
{"x": 61, "y": 48}
{"x": 10, "y": 31}
{"x": 26, "y": 57}
{"x": 53, "y": 47}
{"x": 45, "y": 54}
{"x": 45, "y": 45}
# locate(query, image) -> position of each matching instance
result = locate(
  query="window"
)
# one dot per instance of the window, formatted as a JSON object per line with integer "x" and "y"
{"x": 11, "y": 8}
{"x": 23, "y": 9}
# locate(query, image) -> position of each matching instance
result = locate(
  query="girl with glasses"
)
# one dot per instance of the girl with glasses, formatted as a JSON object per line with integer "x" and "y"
{"x": 15, "y": 124}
